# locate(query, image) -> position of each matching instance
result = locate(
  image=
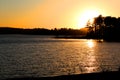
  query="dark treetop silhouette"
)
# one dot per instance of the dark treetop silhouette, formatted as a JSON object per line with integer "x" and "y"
{"x": 107, "y": 28}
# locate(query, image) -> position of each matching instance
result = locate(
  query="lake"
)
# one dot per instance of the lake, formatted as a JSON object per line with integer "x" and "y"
{"x": 43, "y": 56}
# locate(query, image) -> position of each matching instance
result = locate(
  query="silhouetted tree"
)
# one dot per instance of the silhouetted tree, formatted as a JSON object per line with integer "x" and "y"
{"x": 99, "y": 26}
{"x": 107, "y": 28}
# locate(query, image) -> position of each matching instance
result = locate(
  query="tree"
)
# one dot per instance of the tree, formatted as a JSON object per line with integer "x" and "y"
{"x": 99, "y": 26}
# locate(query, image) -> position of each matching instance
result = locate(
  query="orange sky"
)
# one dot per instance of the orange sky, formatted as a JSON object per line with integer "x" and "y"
{"x": 53, "y": 13}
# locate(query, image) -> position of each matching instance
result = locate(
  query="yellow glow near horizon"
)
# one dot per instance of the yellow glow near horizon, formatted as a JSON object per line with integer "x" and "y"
{"x": 54, "y": 13}
{"x": 87, "y": 15}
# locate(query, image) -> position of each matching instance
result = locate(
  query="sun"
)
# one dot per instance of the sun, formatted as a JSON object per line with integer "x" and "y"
{"x": 87, "y": 15}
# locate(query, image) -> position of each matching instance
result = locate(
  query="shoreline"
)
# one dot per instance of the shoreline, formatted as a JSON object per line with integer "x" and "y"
{"x": 106, "y": 75}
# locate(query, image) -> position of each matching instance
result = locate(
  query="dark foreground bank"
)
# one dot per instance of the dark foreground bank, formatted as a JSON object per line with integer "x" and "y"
{"x": 113, "y": 75}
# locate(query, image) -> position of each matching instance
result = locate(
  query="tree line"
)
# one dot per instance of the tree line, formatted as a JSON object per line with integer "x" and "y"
{"x": 42, "y": 31}
{"x": 107, "y": 28}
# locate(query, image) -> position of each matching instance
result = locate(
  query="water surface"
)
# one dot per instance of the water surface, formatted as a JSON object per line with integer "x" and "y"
{"x": 42, "y": 56}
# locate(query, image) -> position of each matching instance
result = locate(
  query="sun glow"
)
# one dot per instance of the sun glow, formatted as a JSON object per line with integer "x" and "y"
{"x": 91, "y": 44}
{"x": 87, "y": 15}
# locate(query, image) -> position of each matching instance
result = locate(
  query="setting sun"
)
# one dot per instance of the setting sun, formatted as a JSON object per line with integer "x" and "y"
{"x": 52, "y": 14}
{"x": 87, "y": 15}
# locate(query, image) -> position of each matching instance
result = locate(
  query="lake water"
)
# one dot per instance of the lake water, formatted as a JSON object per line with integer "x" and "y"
{"x": 42, "y": 56}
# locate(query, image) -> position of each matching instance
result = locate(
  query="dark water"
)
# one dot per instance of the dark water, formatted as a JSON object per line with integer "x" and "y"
{"x": 42, "y": 56}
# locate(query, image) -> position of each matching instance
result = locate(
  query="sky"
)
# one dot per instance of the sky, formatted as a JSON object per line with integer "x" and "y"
{"x": 54, "y": 13}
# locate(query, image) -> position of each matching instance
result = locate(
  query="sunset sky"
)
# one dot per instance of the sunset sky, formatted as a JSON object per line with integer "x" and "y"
{"x": 54, "y": 13}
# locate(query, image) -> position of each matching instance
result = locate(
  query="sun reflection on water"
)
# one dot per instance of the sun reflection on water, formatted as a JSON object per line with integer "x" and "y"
{"x": 90, "y": 43}
{"x": 91, "y": 58}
